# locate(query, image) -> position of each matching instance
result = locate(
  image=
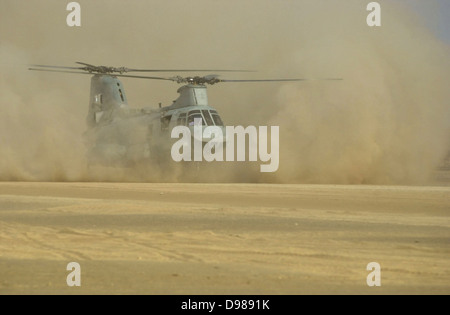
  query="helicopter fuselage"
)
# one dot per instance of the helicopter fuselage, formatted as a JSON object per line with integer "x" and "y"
{"x": 119, "y": 134}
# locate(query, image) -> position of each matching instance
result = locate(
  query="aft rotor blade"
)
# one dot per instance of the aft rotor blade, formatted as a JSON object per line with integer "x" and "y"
{"x": 106, "y": 69}
{"x": 34, "y": 69}
{"x": 86, "y": 64}
{"x": 57, "y": 67}
{"x": 112, "y": 75}
{"x": 168, "y": 70}
{"x": 141, "y": 77}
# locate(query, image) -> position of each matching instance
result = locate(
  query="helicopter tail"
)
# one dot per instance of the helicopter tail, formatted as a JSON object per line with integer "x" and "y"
{"x": 107, "y": 93}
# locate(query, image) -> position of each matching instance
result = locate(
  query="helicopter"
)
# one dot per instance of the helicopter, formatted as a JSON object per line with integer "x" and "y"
{"x": 120, "y": 135}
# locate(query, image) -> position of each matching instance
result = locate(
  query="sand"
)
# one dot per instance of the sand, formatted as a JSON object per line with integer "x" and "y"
{"x": 223, "y": 238}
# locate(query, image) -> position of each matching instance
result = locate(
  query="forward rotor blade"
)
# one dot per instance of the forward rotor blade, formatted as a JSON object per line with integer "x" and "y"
{"x": 281, "y": 80}
{"x": 186, "y": 70}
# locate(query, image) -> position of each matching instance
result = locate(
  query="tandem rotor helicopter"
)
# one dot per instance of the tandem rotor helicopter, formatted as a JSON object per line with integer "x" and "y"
{"x": 120, "y": 135}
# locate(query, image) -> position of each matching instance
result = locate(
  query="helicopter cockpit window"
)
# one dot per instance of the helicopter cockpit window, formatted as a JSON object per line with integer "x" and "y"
{"x": 193, "y": 116}
{"x": 208, "y": 118}
{"x": 217, "y": 120}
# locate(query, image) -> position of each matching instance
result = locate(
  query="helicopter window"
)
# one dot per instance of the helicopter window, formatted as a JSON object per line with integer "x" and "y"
{"x": 208, "y": 119}
{"x": 121, "y": 95}
{"x": 98, "y": 116}
{"x": 192, "y": 117}
{"x": 217, "y": 119}
{"x": 196, "y": 111}
{"x": 98, "y": 99}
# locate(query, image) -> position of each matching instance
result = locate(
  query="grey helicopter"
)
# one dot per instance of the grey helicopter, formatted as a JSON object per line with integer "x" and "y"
{"x": 118, "y": 134}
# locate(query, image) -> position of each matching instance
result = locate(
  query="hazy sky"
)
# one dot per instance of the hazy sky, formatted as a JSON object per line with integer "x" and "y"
{"x": 435, "y": 13}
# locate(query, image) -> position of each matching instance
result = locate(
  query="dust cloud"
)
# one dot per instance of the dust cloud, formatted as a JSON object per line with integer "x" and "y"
{"x": 39, "y": 138}
{"x": 386, "y": 122}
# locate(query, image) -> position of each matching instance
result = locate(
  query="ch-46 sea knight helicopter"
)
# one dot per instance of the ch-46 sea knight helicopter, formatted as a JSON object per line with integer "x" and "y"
{"x": 121, "y": 135}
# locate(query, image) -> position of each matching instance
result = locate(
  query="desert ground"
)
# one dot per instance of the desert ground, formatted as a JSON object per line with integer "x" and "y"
{"x": 135, "y": 238}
